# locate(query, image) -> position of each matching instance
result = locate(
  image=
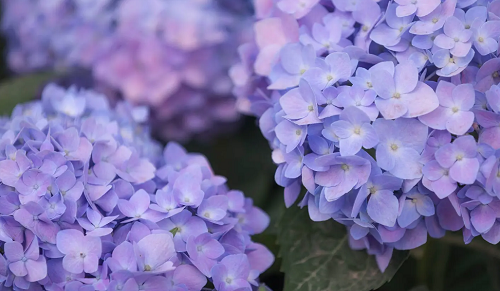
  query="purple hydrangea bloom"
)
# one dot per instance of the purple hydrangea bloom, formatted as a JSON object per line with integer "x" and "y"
{"x": 81, "y": 253}
{"x": 416, "y": 203}
{"x": 486, "y": 37}
{"x": 382, "y": 206}
{"x": 172, "y": 56}
{"x": 455, "y": 38}
{"x": 292, "y": 68}
{"x": 398, "y": 138}
{"x": 27, "y": 263}
{"x": 401, "y": 143}
{"x": 420, "y": 7}
{"x": 232, "y": 273}
{"x": 354, "y": 131}
{"x": 335, "y": 67}
{"x": 453, "y": 112}
{"x": 391, "y": 31}
{"x": 460, "y": 158}
{"x": 92, "y": 203}
{"x": 401, "y": 93}
{"x": 342, "y": 175}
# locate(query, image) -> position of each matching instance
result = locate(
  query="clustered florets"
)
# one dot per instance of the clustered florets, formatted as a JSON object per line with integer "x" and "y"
{"x": 88, "y": 202}
{"x": 387, "y": 112}
{"x": 172, "y": 55}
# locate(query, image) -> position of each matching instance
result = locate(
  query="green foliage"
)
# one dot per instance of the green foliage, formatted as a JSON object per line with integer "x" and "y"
{"x": 316, "y": 256}
{"x": 21, "y": 89}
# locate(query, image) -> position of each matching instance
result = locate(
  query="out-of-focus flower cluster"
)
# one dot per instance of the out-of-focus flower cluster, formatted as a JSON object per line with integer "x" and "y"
{"x": 172, "y": 55}
{"x": 89, "y": 202}
{"x": 387, "y": 112}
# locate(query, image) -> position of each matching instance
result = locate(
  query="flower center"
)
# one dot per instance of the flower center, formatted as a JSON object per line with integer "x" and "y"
{"x": 365, "y": 28}
{"x": 357, "y": 130}
{"x": 394, "y": 147}
{"x": 36, "y": 186}
{"x": 396, "y": 95}
{"x": 298, "y": 132}
{"x": 229, "y": 280}
{"x": 369, "y": 84}
{"x": 147, "y": 268}
{"x": 82, "y": 255}
{"x": 495, "y": 75}
{"x": 302, "y": 71}
{"x": 445, "y": 172}
{"x": 435, "y": 20}
{"x": 24, "y": 259}
{"x": 206, "y": 214}
{"x": 460, "y": 157}
{"x": 345, "y": 167}
{"x": 467, "y": 26}
{"x": 310, "y": 108}
{"x": 451, "y": 60}
{"x": 175, "y": 230}
{"x": 454, "y": 109}
{"x": 456, "y": 39}
{"x": 373, "y": 190}
{"x": 480, "y": 39}
{"x": 329, "y": 78}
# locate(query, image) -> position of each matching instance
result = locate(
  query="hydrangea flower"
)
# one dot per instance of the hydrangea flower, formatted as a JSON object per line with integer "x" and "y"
{"x": 399, "y": 137}
{"x": 90, "y": 202}
{"x": 171, "y": 55}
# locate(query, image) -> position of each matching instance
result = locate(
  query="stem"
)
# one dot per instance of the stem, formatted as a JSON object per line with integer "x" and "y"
{"x": 477, "y": 245}
{"x": 430, "y": 76}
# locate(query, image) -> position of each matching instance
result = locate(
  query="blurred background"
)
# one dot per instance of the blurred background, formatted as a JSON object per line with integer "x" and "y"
{"x": 233, "y": 143}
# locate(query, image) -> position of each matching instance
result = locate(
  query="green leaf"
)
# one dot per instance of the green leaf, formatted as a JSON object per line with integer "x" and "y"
{"x": 316, "y": 256}
{"x": 22, "y": 89}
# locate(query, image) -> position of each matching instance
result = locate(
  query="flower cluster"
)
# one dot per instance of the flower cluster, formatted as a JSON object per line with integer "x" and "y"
{"x": 172, "y": 55}
{"x": 54, "y": 34}
{"x": 89, "y": 202}
{"x": 387, "y": 112}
